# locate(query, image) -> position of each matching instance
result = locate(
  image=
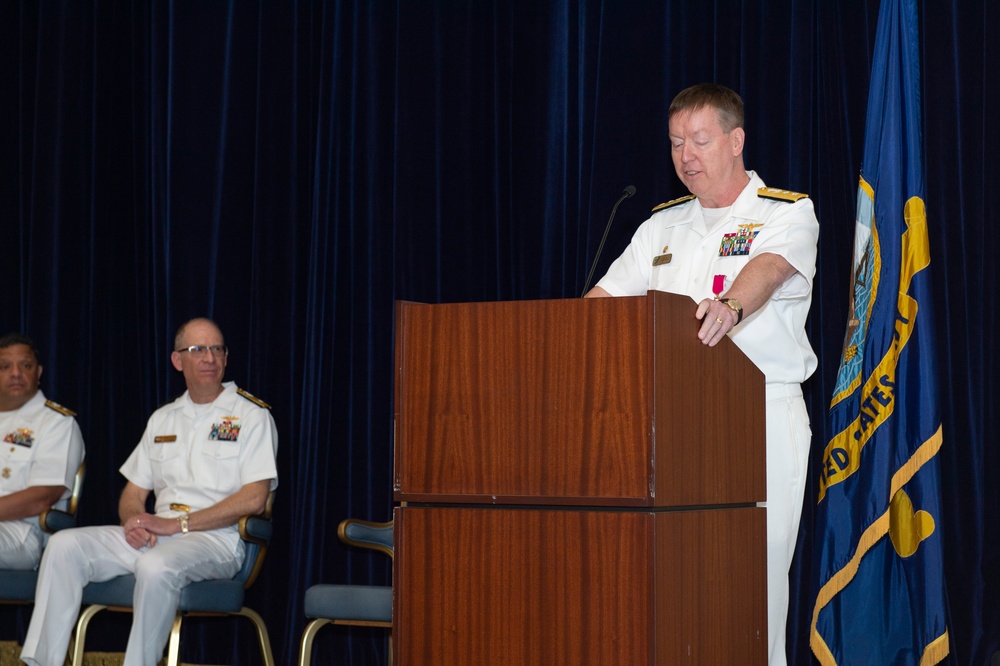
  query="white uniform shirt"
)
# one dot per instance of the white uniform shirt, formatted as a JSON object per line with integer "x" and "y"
{"x": 198, "y": 455}
{"x": 774, "y": 336}
{"x": 40, "y": 445}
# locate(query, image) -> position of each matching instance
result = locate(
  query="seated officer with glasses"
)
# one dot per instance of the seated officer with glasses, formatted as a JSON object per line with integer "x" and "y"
{"x": 209, "y": 458}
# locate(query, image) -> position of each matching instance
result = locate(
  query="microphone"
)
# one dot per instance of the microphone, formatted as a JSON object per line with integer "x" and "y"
{"x": 629, "y": 191}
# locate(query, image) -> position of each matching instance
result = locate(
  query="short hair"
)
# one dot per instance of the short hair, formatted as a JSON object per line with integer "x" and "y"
{"x": 11, "y": 339}
{"x": 180, "y": 330}
{"x": 726, "y": 102}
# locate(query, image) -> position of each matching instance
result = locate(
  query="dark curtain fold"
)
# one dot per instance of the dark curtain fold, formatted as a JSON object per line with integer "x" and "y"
{"x": 959, "y": 55}
{"x": 292, "y": 169}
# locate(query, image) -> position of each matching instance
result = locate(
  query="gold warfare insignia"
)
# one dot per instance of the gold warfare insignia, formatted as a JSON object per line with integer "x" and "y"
{"x": 663, "y": 258}
{"x": 673, "y": 202}
{"x": 776, "y": 194}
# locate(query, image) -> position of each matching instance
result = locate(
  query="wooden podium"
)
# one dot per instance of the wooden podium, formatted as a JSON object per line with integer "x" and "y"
{"x": 578, "y": 483}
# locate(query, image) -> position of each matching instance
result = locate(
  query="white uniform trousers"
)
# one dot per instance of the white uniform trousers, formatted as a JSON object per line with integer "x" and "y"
{"x": 75, "y": 557}
{"x": 788, "y": 440}
{"x": 20, "y": 545}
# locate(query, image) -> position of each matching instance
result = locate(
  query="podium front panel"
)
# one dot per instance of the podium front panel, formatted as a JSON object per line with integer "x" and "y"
{"x": 515, "y": 586}
{"x": 582, "y": 402}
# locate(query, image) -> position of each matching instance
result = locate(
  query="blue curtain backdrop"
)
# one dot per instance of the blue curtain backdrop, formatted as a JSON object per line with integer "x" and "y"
{"x": 293, "y": 168}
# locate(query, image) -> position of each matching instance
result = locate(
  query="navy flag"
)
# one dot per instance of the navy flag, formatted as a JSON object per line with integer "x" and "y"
{"x": 880, "y": 596}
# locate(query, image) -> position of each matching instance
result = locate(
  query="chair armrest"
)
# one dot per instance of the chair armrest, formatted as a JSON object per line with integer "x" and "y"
{"x": 53, "y": 520}
{"x": 256, "y": 529}
{"x": 367, "y": 534}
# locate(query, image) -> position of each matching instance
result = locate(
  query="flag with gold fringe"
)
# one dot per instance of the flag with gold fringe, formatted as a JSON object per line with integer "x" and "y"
{"x": 878, "y": 552}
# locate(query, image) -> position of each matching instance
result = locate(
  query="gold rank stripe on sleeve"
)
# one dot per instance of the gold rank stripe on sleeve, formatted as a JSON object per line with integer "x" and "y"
{"x": 672, "y": 203}
{"x": 254, "y": 399}
{"x": 775, "y": 194}
{"x": 65, "y": 411}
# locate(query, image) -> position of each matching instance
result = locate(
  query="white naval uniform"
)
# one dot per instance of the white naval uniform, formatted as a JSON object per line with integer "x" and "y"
{"x": 40, "y": 445}
{"x": 194, "y": 455}
{"x": 691, "y": 251}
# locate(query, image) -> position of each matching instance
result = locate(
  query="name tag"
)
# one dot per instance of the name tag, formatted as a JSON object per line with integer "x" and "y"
{"x": 662, "y": 259}
{"x": 159, "y": 439}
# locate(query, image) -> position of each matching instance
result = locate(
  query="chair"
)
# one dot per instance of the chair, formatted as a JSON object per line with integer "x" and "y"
{"x": 356, "y": 605}
{"x": 203, "y": 598}
{"x": 18, "y": 586}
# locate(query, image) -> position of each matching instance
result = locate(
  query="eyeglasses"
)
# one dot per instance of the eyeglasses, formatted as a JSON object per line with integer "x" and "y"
{"x": 199, "y": 351}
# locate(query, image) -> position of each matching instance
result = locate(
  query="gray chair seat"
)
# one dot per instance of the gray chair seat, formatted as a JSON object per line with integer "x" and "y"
{"x": 207, "y": 596}
{"x": 18, "y": 586}
{"x": 341, "y": 602}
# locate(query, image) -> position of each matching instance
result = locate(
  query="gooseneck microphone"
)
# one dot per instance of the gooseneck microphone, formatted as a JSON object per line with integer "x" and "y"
{"x": 629, "y": 191}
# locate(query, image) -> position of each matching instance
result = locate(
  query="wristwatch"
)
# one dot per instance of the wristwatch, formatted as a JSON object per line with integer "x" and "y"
{"x": 736, "y": 306}
{"x": 183, "y": 520}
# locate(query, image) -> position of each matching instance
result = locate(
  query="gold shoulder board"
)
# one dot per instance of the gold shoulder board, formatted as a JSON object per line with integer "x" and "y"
{"x": 675, "y": 202}
{"x": 254, "y": 399}
{"x": 780, "y": 195}
{"x": 59, "y": 408}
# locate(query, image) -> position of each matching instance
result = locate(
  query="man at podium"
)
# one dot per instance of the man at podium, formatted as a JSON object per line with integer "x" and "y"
{"x": 746, "y": 254}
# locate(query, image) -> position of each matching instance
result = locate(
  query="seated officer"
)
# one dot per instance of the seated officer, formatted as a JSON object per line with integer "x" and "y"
{"x": 40, "y": 452}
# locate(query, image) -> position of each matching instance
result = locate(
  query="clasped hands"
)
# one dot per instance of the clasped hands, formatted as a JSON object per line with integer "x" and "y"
{"x": 142, "y": 529}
